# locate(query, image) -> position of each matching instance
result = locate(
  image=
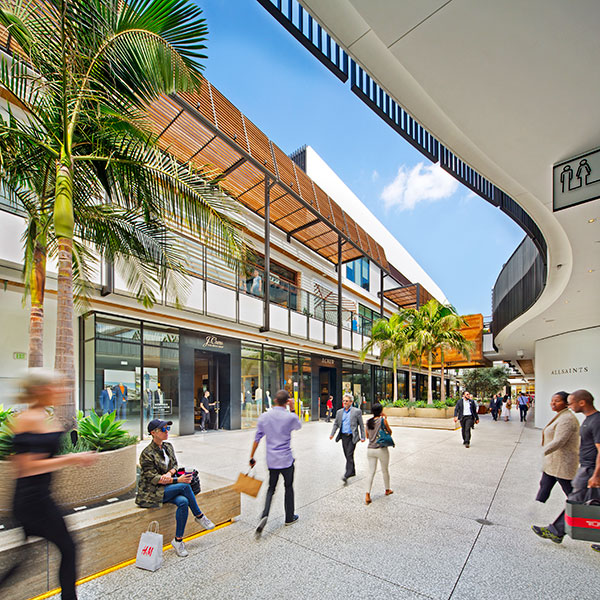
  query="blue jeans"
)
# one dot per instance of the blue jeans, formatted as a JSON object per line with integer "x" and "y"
{"x": 182, "y": 496}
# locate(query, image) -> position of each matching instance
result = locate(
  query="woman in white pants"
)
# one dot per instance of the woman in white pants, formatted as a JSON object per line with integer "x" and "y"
{"x": 377, "y": 453}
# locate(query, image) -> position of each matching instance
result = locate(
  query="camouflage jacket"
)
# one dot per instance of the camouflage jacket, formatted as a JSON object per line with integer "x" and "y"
{"x": 149, "y": 492}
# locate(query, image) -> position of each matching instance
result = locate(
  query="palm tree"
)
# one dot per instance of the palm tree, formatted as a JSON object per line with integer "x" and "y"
{"x": 436, "y": 328}
{"x": 391, "y": 339}
{"x": 83, "y": 78}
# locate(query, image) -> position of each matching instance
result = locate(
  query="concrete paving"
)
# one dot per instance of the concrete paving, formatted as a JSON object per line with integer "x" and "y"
{"x": 427, "y": 540}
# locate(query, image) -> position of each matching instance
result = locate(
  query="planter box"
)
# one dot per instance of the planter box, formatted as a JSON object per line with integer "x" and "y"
{"x": 392, "y": 411}
{"x": 112, "y": 474}
{"x": 432, "y": 413}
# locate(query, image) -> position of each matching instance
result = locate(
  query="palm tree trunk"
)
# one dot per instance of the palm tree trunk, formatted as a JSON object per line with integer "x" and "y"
{"x": 429, "y": 390}
{"x": 410, "y": 386}
{"x": 65, "y": 347}
{"x": 443, "y": 378}
{"x": 37, "y": 286}
{"x": 395, "y": 372}
{"x": 64, "y": 359}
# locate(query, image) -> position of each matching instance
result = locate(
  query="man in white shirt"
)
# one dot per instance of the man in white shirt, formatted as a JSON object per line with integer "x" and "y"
{"x": 466, "y": 412}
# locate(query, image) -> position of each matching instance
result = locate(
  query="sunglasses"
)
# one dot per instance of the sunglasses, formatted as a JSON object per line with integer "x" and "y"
{"x": 165, "y": 429}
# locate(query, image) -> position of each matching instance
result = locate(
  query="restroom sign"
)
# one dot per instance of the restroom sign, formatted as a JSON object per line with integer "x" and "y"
{"x": 576, "y": 180}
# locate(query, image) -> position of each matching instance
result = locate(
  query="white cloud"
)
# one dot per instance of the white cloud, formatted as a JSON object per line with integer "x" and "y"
{"x": 422, "y": 183}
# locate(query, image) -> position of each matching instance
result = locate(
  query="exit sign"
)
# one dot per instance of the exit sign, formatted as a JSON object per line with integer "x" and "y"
{"x": 19, "y": 355}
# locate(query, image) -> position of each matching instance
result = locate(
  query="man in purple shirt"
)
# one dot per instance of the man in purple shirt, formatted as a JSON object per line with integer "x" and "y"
{"x": 277, "y": 425}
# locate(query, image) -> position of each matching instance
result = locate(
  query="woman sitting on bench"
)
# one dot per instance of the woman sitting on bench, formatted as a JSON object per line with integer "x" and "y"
{"x": 159, "y": 482}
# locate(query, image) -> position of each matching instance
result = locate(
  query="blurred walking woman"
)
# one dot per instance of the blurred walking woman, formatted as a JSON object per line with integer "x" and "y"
{"x": 36, "y": 440}
{"x": 376, "y": 453}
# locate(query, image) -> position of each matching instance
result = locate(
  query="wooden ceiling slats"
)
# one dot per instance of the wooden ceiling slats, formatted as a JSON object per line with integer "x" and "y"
{"x": 406, "y": 296}
{"x": 229, "y": 118}
{"x": 285, "y": 168}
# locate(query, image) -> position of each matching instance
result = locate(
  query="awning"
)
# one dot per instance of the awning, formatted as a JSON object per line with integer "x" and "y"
{"x": 413, "y": 295}
{"x": 205, "y": 129}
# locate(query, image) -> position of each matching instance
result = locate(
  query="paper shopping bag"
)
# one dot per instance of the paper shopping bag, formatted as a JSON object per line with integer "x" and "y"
{"x": 150, "y": 549}
{"x": 247, "y": 485}
{"x": 582, "y": 520}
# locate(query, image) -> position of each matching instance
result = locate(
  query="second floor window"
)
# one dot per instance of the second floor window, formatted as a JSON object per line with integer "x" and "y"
{"x": 358, "y": 271}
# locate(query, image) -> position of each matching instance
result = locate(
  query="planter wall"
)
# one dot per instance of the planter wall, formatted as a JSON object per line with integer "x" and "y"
{"x": 431, "y": 413}
{"x": 111, "y": 475}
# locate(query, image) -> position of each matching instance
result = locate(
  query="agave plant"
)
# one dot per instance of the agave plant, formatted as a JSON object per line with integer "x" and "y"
{"x": 5, "y": 413}
{"x": 103, "y": 432}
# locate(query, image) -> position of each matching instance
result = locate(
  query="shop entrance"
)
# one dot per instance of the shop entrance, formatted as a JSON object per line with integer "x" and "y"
{"x": 327, "y": 387}
{"x": 211, "y": 373}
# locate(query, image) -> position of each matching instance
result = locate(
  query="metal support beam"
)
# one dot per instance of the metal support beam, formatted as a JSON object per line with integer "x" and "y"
{"x": 339, "y": 306}
{"x": 232, "y": 168}
{"x": 267, "y": 274}
{"x": 381, "y": 278}
{"x": 302, "y": 227}
{"x": 418, "y": 296}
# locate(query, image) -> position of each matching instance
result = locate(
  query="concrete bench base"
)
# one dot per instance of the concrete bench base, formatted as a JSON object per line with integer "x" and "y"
{"x": 423, "y": 423}
{"x": 106, "y": 536}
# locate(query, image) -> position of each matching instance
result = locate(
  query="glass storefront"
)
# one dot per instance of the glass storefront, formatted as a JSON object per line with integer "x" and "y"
{"x": 356, "y": 381}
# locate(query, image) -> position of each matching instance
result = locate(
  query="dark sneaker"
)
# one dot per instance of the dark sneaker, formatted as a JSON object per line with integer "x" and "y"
{"x": 259, "y": 529}
{"x": 545, "y": 533}
{"x": 467, "y": 445}
{"x": 295, "y": 518}
{"x": 345, "y": 480}
{"x": 596, "y": 547}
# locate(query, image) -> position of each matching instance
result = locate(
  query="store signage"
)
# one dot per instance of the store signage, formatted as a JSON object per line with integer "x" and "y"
{"x": 569, "y": 371}
{"x": 213, "y": 341}
{"x": 165, "y": 407}
{"x": 19, "y": 355}
{"x": 328, "y": 361}
{"x": 576, "y": 180}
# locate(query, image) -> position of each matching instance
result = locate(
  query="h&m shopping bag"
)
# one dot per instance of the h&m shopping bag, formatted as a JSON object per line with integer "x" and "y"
{"x": 150, "y": 549}
{"x": 247, "y": 484}
{"x": 582, "y": 520}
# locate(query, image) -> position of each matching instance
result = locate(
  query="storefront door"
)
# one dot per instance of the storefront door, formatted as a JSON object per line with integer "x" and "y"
{"x": 210, "y": 369}
{"x": 327, "y": 387}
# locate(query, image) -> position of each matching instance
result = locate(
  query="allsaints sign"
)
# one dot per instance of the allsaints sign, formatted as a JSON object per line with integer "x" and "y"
{"x": 213, "y": 341}
{"x": 569, "y": 371}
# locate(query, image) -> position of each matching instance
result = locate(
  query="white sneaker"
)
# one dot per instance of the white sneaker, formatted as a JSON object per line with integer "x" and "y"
{"x": 205, "y": 522}
{"x": 179, "y": 548}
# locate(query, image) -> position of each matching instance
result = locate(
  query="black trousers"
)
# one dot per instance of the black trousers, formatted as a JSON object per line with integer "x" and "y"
{"x": 466, "y": 424}
{"x": 349, "y": 445}
{"x": 523, "y": 408}
{"x": 547, "y": 483}
{"x": 494, "y": 412}
{"x": 44, "y": 520}
{"x": 288, "y": 482}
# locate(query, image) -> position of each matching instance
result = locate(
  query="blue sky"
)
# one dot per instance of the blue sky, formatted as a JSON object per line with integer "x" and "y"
{"x": 457, "y": 237}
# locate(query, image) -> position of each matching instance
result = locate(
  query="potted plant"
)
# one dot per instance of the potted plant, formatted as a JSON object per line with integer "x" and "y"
{"x": 112, "y": 474}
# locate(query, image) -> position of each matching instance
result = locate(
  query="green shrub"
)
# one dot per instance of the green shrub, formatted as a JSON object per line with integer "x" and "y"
{"x": 103, "y": 433}
{"x": 439, "y": 404}
{"x": 5, "y": 413}
{"x": 385, "y": 403}
{"x": 401, "y": 403}
{"x": 67, "y": 446}
{"x": 420, "y": 404}
{"x": 451, "y": 401}
{"x": 6, "y": 446}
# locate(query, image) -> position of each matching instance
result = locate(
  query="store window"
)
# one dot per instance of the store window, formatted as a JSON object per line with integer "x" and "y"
{"x": 160, "y": 385}
{"x": 252, "y": 384}
{"x": 356, "y": 381}
{"x": 366, "y": 317}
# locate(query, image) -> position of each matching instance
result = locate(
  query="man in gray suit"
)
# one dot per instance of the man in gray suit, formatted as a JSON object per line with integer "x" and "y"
{"x": 348, "y": 420}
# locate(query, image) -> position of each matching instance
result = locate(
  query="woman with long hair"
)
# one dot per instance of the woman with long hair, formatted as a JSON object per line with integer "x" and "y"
{"x": 377, "y": 453}
{"x": 36, "y": 440}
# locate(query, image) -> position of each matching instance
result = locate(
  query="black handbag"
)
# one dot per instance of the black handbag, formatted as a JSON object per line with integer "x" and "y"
{"x": 194, "y": 483}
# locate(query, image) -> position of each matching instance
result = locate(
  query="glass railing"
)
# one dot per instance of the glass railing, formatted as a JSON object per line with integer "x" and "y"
{"x": 518, "y": 286}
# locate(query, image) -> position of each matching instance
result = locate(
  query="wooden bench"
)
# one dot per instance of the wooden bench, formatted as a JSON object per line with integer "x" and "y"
{"x": 106, "y": 536}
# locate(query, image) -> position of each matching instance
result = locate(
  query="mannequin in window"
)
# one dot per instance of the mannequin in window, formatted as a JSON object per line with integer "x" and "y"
{"x": 107, "y": 400}
{"x": 121, "y": 397}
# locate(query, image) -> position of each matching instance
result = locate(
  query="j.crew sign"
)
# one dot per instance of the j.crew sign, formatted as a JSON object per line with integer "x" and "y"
{"x": 569, "y": 371}
{"x": 213, "y": 341}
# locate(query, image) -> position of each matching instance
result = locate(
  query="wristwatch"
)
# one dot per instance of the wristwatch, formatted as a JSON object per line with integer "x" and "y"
{"x": 174, "y": 478}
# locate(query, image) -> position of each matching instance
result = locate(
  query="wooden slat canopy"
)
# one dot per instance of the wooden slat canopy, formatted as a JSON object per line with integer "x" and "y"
{"x": 204, "y": 128}
{"x": 408, "y": 296}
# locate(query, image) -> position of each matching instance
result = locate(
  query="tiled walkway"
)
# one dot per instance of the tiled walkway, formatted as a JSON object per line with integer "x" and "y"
{"x": 457, "y": 527}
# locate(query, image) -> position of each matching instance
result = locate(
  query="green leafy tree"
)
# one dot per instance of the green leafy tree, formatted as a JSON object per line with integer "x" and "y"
{"x": 391, "y": 339}
{"x": 78, "y": 92}
{"x": 485, "y": 382}
{"x": 436, "y": 329}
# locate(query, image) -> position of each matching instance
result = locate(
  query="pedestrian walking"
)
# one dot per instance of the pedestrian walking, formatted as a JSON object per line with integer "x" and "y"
{"x": 276, "y": 425}
{"x": 36, "y": 440}
{"x": 376, "y": 453}
{"x": 329, "y": 409}
{"x": 349, "y": 421}
{"x": 523, "y": 402}
{"x": 465, "y": 411}
{"x": 560, "y": 439}
{"x": 588, "y": 474}
{"x": 506, "y": 406}
{"x": 494, "y": 407}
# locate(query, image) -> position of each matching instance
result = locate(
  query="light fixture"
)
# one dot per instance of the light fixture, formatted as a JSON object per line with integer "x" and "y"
{"x": 520, "y": 353}
{"x": 591, "y": 220}
{"x": 590, "y": 270}
{"x": 566, "y": 302}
